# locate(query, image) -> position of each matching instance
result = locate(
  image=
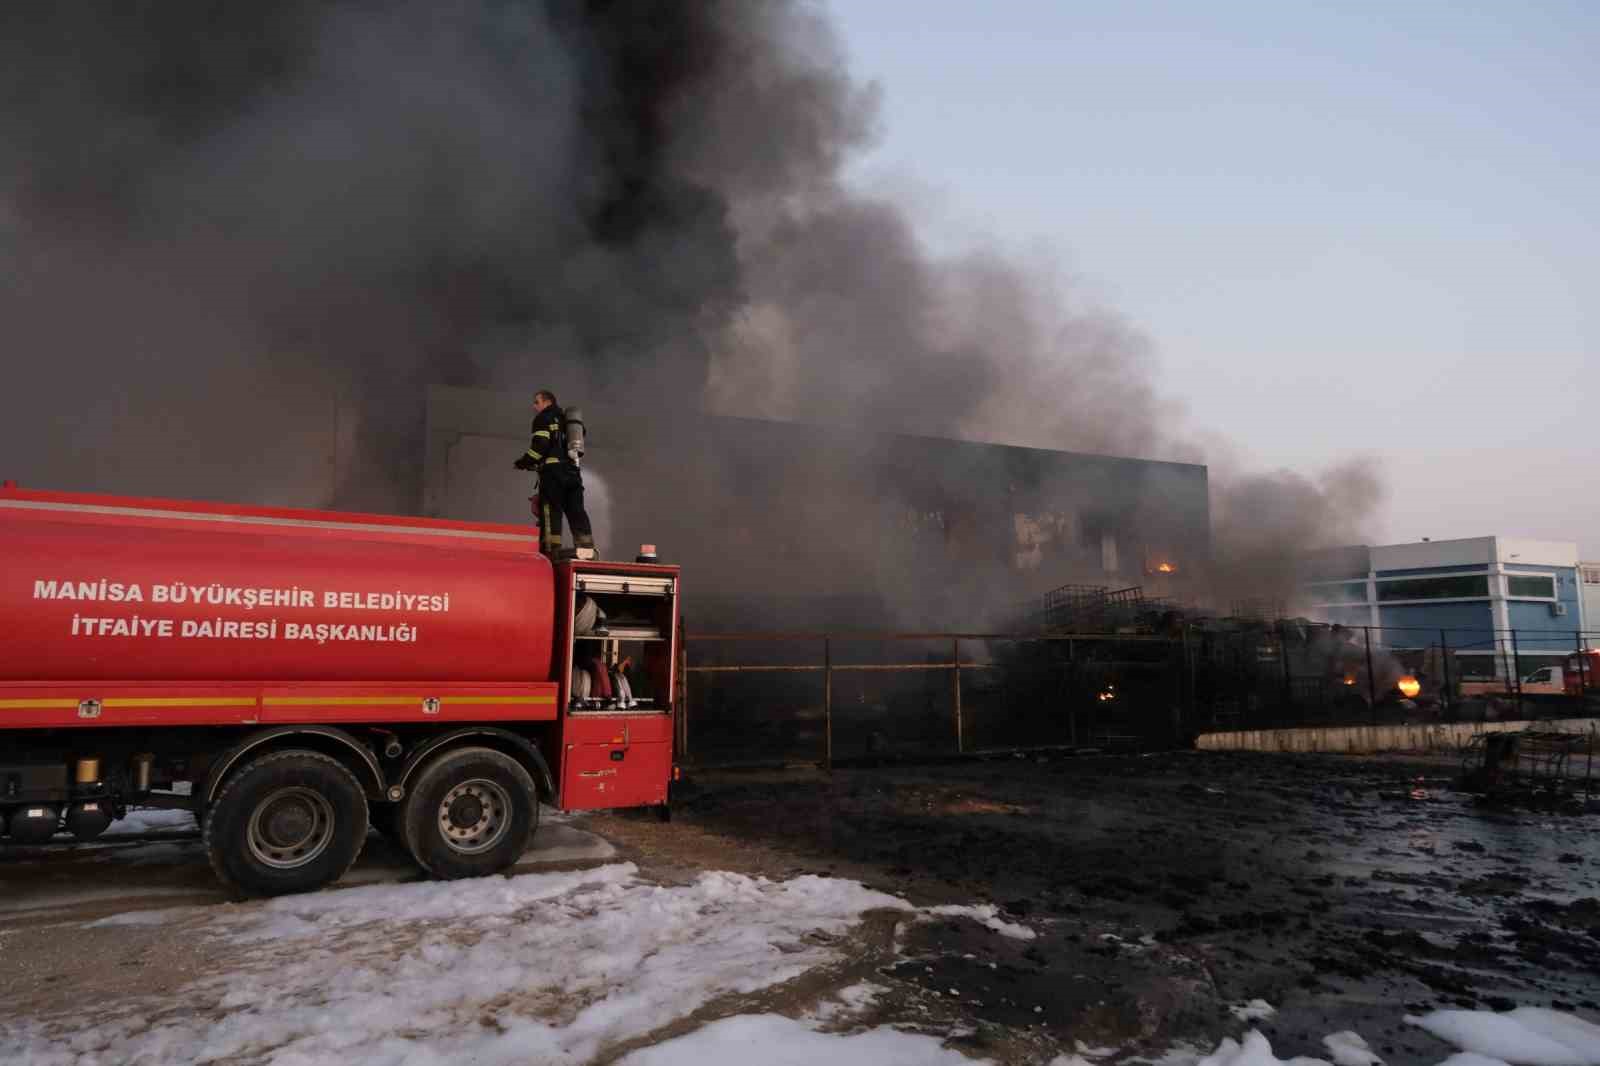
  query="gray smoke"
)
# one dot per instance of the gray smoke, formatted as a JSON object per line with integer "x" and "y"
{"x": 1264, "y": 523}
{"x": 240, "y": 239}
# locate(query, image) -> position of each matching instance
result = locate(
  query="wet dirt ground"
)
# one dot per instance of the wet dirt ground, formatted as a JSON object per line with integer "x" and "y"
{"x": 1165, "y": 890}
{"x": 1162, "y": 892}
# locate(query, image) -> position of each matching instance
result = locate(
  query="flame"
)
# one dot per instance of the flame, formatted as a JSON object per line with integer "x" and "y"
{"x": 1166, "y": 568}
{"x": 1409, "y": 687}
{"x": 1349, "y": 679}
{"x": 1110, "y": 693}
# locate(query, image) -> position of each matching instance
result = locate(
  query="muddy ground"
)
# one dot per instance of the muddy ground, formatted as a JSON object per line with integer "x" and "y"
{"x": 1163, "y": 891}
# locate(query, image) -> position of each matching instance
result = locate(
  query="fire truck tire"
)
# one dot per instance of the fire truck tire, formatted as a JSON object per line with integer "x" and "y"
{"x": 471, "y": 813}
{"x": 290, "y": 821}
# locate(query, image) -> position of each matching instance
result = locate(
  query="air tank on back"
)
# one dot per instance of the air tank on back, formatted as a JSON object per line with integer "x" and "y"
{"x": 35, "y": 823}
{"x": 88, "y": 819}
{"x": 577, "y": 433}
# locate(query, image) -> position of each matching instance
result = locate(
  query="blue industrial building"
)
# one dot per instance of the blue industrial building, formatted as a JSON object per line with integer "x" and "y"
{"x": 1502, "y": 603}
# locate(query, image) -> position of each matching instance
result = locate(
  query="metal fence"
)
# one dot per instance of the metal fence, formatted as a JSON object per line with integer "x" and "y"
{"x": 824, "y": 697}
{"x": 1292, "y": 674}
{"x": 790, "y": 697}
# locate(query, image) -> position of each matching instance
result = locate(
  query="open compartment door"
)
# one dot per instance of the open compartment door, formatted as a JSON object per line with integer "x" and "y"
{"x": 617, "y": 683}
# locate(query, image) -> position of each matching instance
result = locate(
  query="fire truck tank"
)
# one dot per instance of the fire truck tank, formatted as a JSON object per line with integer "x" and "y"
{"x": 117, "y": 588}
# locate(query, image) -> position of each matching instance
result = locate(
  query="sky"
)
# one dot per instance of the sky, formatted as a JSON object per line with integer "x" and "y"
{"x": 1347, "y": 228}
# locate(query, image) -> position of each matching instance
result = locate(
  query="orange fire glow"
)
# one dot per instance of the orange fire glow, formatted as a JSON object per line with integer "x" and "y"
{"x": 1166, "y": 568}
{"x": 1349, "y": 679}
{"x": 1409, "y": 687}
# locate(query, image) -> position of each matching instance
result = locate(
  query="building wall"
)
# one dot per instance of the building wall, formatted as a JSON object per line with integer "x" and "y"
{"x": 1537, "y": 624}
{"x": 1537, "y": 627}
{"x": 1477, "y": 609}
{"x": 1347, "y": 615}
{"x": 1426, "y": 571}
{"x": 1433, "y": 554}
{"x": 764, "y": 514}
{"x": 1418, "y": 625}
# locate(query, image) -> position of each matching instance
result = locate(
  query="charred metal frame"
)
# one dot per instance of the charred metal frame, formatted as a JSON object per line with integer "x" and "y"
{"x": 1530, "y": 765}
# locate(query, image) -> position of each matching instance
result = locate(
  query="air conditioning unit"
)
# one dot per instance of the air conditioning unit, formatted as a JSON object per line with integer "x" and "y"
{"x": 1558, "y": 610}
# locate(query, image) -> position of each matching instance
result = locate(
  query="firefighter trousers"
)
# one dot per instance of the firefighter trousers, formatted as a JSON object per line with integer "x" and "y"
{"x": 561, "y": 493}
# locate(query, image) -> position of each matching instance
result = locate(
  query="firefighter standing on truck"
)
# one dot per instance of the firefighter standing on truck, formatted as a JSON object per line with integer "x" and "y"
{"x": 553, "y": 456}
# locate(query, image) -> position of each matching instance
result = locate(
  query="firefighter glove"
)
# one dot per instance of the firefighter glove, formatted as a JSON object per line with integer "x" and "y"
{"x": 525, "y": 462}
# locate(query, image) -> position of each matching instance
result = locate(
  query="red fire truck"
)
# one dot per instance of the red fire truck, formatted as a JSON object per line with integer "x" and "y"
{"x": 294, "y": 676}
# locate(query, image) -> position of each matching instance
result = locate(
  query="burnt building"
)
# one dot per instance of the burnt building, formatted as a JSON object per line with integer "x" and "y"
{"x": 787, "y": 524}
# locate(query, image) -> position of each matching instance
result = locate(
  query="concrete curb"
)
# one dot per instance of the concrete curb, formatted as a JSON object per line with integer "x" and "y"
{"x": 1372, "y": 739}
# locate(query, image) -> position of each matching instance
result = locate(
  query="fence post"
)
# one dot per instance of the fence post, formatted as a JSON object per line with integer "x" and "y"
{"x": 1516, "y": 670}
{"x": 1249, "y": 680}
{"x": 1583, "y": 688}
{"x": 1445, "y": 693}
{"x": 1177, "y": 704}
{"x": 1072, "y": 687}
{"x": 1588, "y": 768}
{"x": 683, "y": 694}
{"x": 1186, "y": 684}
{"x": 827, "y": 704}
{"x": 955, "y": 693}
{"x": 1288, "y": 683}
{"x": 1372, "y": 679}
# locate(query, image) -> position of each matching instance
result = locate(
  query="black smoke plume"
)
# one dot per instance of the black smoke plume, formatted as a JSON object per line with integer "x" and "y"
{"x": 241, "y": 238}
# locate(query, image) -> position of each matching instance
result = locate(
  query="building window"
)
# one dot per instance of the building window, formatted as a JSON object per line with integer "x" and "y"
{"x": 1108, "y": 553}
{"x": 1435, "y": 588}
{"x": 1345, "y": 592}
{"x": 1543, "y": 588}
{"x": 1591, "y": 575}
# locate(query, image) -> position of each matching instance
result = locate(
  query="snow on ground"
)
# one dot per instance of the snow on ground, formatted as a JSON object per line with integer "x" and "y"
{"x": 773, "y": 1040}
{"x": 561, "y": 966}
{"x": 848, "y": 1001}
{"x": 1527, "y": 1036}
{"x": 139, "y": 918}
{"x": 1253, "y": 1050}
{"x": 1349, "y": 1049}
{"x": 1255, "y": 1010}
{"x": 151, "y": 820}
{"x": 987, "y": 915}
{"x": 550, "y": 967}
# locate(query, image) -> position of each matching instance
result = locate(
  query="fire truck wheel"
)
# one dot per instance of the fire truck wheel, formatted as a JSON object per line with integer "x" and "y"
{"x": 287, "y": 822}
{"x": 471, "y": 813}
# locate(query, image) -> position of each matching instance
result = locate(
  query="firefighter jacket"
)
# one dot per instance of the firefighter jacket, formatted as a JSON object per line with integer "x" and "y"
{"x": 549, "y": 445}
